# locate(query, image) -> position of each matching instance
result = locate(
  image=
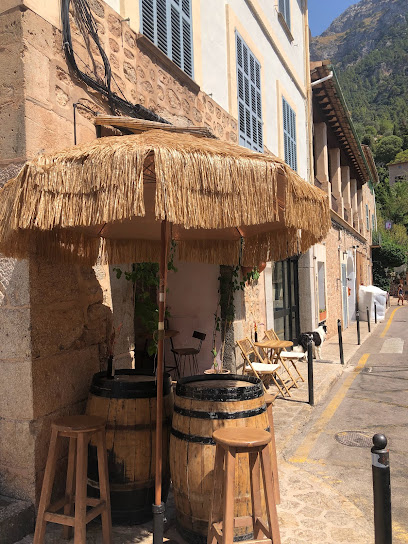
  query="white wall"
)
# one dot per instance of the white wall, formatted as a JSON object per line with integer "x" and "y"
{"x": 219, "y": 20}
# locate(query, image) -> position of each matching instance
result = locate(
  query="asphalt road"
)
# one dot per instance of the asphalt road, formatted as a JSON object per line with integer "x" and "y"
{"x": 371, "y": 397}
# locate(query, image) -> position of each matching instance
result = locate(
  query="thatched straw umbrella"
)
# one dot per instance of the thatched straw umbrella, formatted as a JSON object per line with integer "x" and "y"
{"x": 121, "y": 199}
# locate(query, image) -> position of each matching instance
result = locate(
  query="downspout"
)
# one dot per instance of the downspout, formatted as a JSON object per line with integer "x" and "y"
{"x": 309, "y": 95}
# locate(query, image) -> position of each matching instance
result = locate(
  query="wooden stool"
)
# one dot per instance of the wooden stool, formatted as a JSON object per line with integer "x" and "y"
{"x": 230, "y": 441}
{"x": 78, "y": 429}
{"x": 269, "y": 399}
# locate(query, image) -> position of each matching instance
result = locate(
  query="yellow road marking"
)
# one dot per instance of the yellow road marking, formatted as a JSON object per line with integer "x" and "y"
{"x": 303, "y": 451}
{"x": 388, "y": 325}
{"x": 399, "y": 532}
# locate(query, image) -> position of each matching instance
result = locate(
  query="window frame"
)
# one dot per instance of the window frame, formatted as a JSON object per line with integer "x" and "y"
{"x": 367, "y": 218}
{"x": 285, "y": 12}
{"x": 249, "y": 96}
{"x": 289, "y": 140}
{"x": 166, "y": 43}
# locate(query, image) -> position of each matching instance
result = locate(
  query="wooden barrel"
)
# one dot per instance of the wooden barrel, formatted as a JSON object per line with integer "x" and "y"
{"x": 128, "y": 404}
{"x": 203, "y": 404}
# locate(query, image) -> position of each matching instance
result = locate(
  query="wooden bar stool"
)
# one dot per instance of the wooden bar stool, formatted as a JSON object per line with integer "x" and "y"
{"x": 79, "y": 430}
{"x": 269, "y": 400}
{"x": 230, "y": 441}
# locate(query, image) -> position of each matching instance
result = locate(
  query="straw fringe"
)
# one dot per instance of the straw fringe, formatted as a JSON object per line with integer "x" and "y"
{"x": 200, "y": 183}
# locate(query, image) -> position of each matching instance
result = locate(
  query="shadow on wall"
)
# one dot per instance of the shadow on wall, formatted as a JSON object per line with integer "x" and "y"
{"x": 70, "y": 328}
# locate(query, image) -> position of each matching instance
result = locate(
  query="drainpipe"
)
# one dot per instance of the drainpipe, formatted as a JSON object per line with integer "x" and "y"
{"x": 322, "y": 79}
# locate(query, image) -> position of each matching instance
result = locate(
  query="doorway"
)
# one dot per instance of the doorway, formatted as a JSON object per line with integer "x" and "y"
{"x": 344, "y": 291}
{"x": 285, "y": 285}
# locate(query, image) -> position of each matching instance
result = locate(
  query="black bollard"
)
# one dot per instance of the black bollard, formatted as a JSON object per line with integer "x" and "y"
{"x": 310, "y": 372}
{"x": 368, "y": 320}
{"x": 340, "y": 341}
{"x": 158, "y": 523}
{"x": 382, "y": 490}
{"x": 375, "y": 313}
{"x": 358, "y": 327}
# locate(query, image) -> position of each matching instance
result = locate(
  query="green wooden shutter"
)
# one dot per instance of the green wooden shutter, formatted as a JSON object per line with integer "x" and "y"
{"x": 249, "y": 97}
{"x": 289, "y": 135}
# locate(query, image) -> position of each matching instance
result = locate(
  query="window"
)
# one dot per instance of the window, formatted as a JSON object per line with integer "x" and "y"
{"x": 249, "y": 97}
{"x": 167, "y": 23}
{"x": 284, "y": 9}
{"x": 367, "y": 218}
{"x": 373, "y": 222}
{"x": 289, "y": 135}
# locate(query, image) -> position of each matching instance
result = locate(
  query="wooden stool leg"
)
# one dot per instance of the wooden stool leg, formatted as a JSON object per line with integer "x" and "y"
{"x": 271, "y": 512}
{"x": 104, "y": 487}
{"x": 81, "y": 484}
{"x": 274, "y": 460}
{"x": 216, "y": 503}
{"x": 46, "y": 489}
{"x": 254, "y": 473}
{"x": 229, "y": 490}
{"x": 70, "y": 486}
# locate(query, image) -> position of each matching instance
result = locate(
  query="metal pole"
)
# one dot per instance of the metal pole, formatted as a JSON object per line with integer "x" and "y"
{"x": 310, "y": 372}
{"x": 358, "y": 327}
{"x": 340, "y": 341}
{"x": 368, "y": 320}
{"x": 158, "y": 507}
{"x": 375, "y": 313}
{"x": 382, "y": 490}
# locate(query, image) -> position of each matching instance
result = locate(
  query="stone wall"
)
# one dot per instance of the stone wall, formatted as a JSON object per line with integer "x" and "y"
{"x": 339, "y": 248}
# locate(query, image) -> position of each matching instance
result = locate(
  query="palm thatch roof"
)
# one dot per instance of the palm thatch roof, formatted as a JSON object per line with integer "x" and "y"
{"x": 106, "y": 198}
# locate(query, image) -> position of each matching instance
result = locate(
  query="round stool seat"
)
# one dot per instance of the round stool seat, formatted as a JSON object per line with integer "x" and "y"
{"x": 269, "y": 399}
{"x": 241, "y": 437}
{"x": 79, "y": 424}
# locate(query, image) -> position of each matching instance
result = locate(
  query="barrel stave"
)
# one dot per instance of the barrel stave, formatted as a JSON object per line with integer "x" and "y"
{"x": 192, "y": 452}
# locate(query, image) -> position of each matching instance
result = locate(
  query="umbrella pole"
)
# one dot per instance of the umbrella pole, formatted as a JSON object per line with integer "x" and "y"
{"x": 158, "y": 507}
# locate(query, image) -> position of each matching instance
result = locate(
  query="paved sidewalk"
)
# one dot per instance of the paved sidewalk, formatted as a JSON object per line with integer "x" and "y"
{"x": 311, "y": 510}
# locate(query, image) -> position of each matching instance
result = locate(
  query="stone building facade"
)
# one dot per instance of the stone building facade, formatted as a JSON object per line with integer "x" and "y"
{"x": 346, "y": 171}
{"x": 398, "y": 171}
{"x": 55, "y": 320}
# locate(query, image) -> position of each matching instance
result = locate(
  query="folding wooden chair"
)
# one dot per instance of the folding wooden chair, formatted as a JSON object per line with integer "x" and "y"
{"x": 292, "y": 356}
{"x": 263, "y": 368}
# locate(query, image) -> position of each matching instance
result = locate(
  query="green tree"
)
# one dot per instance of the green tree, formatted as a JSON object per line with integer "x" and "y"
{"x": 402, "y": 156}
{"x": 387, "y": 148}
{"x": 385, "y": 259}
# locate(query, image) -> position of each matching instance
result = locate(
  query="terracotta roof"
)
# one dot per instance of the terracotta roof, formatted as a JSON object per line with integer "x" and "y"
{"x": 336, "y": 114}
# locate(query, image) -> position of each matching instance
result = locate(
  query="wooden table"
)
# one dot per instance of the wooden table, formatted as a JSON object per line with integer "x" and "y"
{"x": 276, "y": 347}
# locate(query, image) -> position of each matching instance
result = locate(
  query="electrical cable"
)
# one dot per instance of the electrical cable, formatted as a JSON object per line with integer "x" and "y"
{"x": 87, "y": 22}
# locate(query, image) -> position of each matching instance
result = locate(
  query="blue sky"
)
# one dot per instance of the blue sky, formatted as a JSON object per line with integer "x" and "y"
{"x": 323, "y": 12}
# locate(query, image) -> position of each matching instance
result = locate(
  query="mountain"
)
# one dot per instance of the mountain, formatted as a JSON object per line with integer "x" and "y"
{"x": 368, "y": 46}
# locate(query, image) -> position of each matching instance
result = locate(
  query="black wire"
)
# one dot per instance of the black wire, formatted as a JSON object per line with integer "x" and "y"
{"x": 116, "y": 103}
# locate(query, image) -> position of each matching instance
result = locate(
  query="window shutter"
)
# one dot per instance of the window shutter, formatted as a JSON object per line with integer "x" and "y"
{"x": 249, "y": 97}
{"x": 167, "y": 23}
{"x": 289, "y": 135}
{"x": 284, "y": 8}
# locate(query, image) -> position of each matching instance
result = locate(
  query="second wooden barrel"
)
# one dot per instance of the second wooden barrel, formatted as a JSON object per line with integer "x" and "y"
{"x": 203, "y": 404}
{"x": 128, "y": 405}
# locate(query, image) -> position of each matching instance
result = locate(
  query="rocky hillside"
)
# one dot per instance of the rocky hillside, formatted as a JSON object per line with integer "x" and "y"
{"x": 368, "y": 45}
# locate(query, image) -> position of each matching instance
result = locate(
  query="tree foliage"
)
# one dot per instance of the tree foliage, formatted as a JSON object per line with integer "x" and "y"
{"x": 387, "y": 149}
{"x": 402, "y": 156}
